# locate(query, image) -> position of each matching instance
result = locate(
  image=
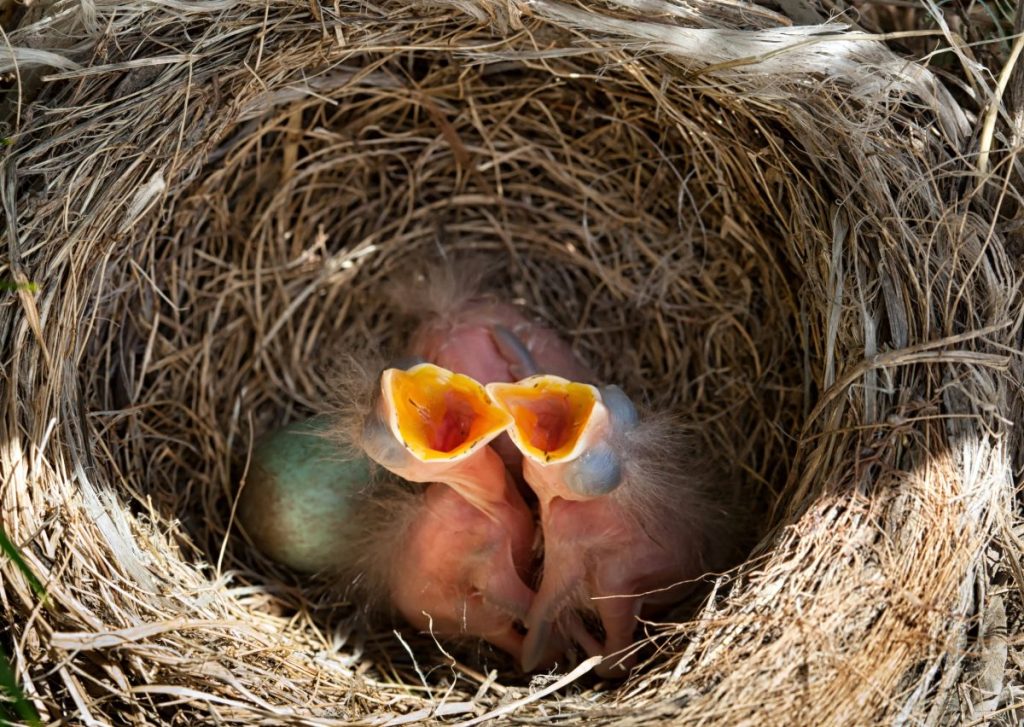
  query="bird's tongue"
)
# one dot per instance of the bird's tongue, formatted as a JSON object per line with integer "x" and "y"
{"x": 552, "y": 422}
{"x": 450, "y": 431}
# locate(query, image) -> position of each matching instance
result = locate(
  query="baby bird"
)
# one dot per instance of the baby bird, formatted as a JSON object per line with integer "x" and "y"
{"x": 470, "y": 546}
{"x": 443, "y": 564}
{"x": 627, "y": 510}
{"x": 465, "y": 330}
{"x": 493, "y": 341}
{"x": 430, "y": 424}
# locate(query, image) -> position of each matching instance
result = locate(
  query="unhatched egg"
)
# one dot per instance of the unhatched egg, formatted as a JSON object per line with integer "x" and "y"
{"x": 297, "y": 495}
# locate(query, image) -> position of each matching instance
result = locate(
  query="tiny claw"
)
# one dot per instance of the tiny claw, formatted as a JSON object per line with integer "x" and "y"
{"x": 575, "y": 629}
{"x": 615, "y": 668}
{"x": 521, "y": 363}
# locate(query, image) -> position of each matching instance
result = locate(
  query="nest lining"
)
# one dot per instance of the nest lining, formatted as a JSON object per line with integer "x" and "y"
{"x": 214, "y": 204}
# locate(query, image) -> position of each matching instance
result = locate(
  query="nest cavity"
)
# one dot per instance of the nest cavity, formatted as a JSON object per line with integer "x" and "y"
{"x": 770, "y": 229}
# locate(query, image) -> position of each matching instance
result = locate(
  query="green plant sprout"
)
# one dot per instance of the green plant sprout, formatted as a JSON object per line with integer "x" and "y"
{"x": 11, "y": 286}
{"x": 9, "y": 686}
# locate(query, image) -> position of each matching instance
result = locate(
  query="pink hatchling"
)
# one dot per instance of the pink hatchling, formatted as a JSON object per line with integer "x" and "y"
{"x": 626, "y": 512}
{"x": 468, "y": 539}
{"x": 463, "y": 328}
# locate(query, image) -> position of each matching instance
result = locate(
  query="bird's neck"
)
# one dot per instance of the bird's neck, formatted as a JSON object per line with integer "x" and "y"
{"x": 483, "y": 480}
{"x": 548, "y": 482}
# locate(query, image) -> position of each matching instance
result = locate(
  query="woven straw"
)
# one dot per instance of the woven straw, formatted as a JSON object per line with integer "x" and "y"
{"x": 778, "y": 231}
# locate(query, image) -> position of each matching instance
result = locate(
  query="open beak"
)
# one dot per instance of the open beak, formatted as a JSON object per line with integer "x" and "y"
{"x": 561, "y": 422}
{"x": 554, "y": 420}
{"x": 439, "y": 415}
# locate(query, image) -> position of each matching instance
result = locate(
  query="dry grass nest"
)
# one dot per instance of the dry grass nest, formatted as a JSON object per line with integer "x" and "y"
{"x": 788, "y": 234}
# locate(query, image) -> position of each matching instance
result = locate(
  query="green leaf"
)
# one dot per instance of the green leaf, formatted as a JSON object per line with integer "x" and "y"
{"x": 11, "y": 551}
{"x": 9, "y": 685}
{"x": 8, "y": 681}
{"x": 11, "y": 286}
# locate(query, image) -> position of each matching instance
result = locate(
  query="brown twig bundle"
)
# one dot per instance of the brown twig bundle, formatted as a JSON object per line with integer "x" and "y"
{"x": 774, "y": 230}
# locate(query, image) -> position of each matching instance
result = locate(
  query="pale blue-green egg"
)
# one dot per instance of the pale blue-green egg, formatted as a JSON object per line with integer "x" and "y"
{"x": 298, "y": 494}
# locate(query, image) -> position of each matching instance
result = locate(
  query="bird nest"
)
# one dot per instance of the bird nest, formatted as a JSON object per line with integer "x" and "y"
{"x": 777, "y": 231}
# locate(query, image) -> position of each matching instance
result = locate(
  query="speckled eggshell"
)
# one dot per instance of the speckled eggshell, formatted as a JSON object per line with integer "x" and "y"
{"x": 297, "y": 493}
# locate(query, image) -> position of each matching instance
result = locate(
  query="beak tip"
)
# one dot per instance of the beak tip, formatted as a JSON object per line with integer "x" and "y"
{"x": 534, "y": 645}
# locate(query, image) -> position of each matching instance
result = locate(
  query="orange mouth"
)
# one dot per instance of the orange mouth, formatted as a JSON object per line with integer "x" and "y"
{"x": 552, "y": 416}
{"x": 438, "y": 414}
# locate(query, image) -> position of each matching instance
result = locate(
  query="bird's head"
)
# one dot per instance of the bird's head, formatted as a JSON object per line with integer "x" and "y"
{"x": 574, "y": 426}
{"x": 431, "y": 414}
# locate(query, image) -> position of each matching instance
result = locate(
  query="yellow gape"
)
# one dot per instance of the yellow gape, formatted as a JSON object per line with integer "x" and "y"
{"x": 552, "y": 416}
{"x": 438, "y": 414}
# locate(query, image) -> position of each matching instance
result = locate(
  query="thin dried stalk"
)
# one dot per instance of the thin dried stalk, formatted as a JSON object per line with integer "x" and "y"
{"x": 763, "y": 227}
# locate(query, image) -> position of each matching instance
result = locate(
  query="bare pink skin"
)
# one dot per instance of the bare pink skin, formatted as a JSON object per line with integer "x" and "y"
{"x": 469, "y": 554}
{"x": 465, "y": 342}
{"x": 459, "y": 575}
{"x": 596, "y": 549}
{"x": 468, "y": 342}
{"x": 480, "y": 478}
